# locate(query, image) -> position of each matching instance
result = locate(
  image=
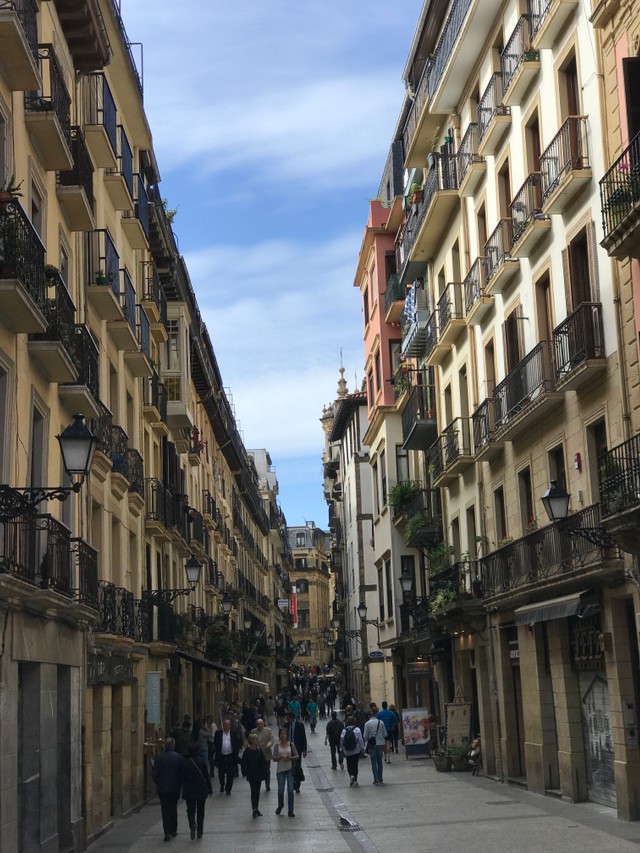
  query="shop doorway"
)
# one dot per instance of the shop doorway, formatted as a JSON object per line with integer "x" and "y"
{"x": 598, "y": 740}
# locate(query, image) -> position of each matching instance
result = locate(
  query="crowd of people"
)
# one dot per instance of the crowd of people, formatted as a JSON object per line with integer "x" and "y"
{"x": 268, "y": 734}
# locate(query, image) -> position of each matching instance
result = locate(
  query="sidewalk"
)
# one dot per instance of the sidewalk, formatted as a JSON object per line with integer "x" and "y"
{"x": 417, "y": 809}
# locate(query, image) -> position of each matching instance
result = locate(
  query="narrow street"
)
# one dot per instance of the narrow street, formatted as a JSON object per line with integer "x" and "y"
{"x": 417, "y": 809}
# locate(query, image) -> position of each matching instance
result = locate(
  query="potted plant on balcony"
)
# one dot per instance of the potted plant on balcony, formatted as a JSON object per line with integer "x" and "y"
{"x": 416, "y": 193}
{"x": 421, "y": 522}
{"x": 529, "y": 54}
{"x": 402, "y": 495}
{"x": 10, "y": 190}
{"x": 443, "y": 599}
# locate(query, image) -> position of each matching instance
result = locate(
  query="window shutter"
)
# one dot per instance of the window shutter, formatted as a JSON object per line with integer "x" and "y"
{"x": 566, "y": 272}
{"x": 592, "y": 252}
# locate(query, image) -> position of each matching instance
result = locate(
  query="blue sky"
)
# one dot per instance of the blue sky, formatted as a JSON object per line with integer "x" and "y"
{"x": 271, "y": 124}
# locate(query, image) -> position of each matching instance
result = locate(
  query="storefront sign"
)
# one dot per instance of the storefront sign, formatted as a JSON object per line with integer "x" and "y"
{"x": 283, "y": 603}
{"x": 105, "y": 669}
{"x": 152, "y": 698}
{"x": 418, "y": 667}
{"x": 294, "y": 608}
{"x": 458, "y": 723}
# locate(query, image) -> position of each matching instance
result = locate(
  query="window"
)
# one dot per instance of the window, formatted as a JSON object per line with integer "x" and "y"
{"x": 303, "y": 618}
{"x": 395, "y": 350}
{"x": 383, "y": 478}
{"x": 302, "y": 586}
{"x": 501, "y": 518}
{"x": 37, "y": 210}
{"x": 365, "y": 305}
{"x": 173, "y": 345}
{"x": 38, "y": 446}
{"x": 4, "y": 423}
{"x": 376, "y": 490}
{"x": 300, "y": 563}
{"x": 370, "y": 390}
{"x": 504, "y": 189}
{"x": 380, "y": 594}
{"x": 389, "y": 584}
{"x": 513, "y": 346}
{"x": 557, "y": 468}
{"x": 596, "y": 446}
{"x": 631, "y": 71}
{"x": 527, "y": 509}
{"x": 579, "y": 267}
{"x": 300, "y": 540}
{"x": 402, "y": 464}
{"x": 376, "y": 367}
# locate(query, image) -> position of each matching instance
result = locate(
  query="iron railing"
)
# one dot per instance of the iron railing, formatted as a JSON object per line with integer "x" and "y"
{"x": 197, "y": 528}
{"x": 86, "y": 572}
{"x": 498, "y": 247}
{"x": 475, "y": 283}
{"x": 135, "y": 471}
{"x": 81, "y": 175}
{"x": 442, "y": 176}
{"x": 467, "y": 154}
{"x": 567, "y": 152}
{"x": 54, "y": 95}
{"x": 59, "y": 311}
{"x": 620, "y": 187}
{"x": 155, "y": 394}
{"x": 102, "y": 262}
{"x": 420, "y": 406}
{"x": 158, "y": 502}
{"x": 431, "y": 335}
{"x": 620, "y": 477}
{"x": 490, "y": 104}
{"x": 395, "y": 292}
{"x": 526, "y": 205}
{"x": 102, "y": 428}
{"x": 450, "y": 305}
{"x": 117, "y": 607}
{"x": 512, "y": 56}
{"x": 86, "y": 359}
{"x": 37, "y": 549}
{"x": 456, "y": 441}
{"x": 100, "y": 106}
{"x": 21, "y": 251}
{"x": 142, "y": 204}
{"x": 119, "y": 448}
{"x": 129, "y": 300}
{"x": 144, "y": 331}
{"x": 530, "y": 379}
{"x": 420, "y": 98}
{"x": 154, "y": 292}
{"x": 483, "y": 422}
{"x": 27, "y": 13}
{"x": 545, "y": 553}
{"x": 578, "y": 338}
{"x": 446, "y": 42}
{"x": 124, "y": 156}
{"x": 539, "y": 11}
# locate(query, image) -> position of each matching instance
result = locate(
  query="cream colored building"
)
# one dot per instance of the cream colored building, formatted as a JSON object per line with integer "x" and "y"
{"x": 106, "y": 643}
{"x": 312, "y": 584}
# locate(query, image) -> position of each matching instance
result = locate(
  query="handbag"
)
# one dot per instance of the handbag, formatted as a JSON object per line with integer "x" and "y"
{"x": 371, "y": 742}
{"x": 298, "y": 773}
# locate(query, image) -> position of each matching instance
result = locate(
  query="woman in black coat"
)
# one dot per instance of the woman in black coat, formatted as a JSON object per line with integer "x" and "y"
{"x": 254, "y": 769}
{"x": 196, "y": 786}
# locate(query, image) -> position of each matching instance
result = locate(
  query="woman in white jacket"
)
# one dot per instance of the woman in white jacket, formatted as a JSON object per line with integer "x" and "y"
{"x": 352, "y": 750}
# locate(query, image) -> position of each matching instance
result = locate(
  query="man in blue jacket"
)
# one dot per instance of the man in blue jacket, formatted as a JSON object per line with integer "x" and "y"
{"x": 391, "y": 725}
{"x": 167, "y": 774}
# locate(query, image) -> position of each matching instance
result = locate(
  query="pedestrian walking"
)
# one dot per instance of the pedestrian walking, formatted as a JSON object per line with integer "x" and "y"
{"x": 396, "y": 731}
{"x": 332, "y": 737}
{"x": 270, "y": 711}
{"x": 167, "y": 775}
{"x": 254, "y": 768}
{"x": 285, "y": 755}
{"x": 352, "y": 747}
{"x": 265, "y": 742}
{"x": 312, "y": 713}
{"x": 374, "y": 736}
{"x": 298, "y": 737}
{"x": 390, "y": 723}
{"x": 226, "y": 748}
{"x": 196, "y": 787}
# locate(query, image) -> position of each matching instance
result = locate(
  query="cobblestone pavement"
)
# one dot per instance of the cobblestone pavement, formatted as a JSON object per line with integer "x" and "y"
{"x": 417, "y": 809}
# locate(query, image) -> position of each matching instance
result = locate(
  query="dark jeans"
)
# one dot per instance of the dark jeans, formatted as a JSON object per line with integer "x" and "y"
{"x": 336, "y": 752}
{"x": 226, "y": 771}
{"x": 195, "y": 814}
{"x": 169, "y": 807}
{"x": 375, "y": 755}
{"x": 286, "y": 776}
{"x": 255, "y": 792}
{"x": 352, "y": 764}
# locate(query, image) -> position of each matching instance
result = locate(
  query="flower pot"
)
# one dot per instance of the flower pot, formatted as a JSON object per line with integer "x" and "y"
{"x": 460, "y": 763}
{"x": 442, "y": 763}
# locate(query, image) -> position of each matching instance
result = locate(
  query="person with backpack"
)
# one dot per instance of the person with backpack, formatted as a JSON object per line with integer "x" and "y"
{"x": 352, "y": 746}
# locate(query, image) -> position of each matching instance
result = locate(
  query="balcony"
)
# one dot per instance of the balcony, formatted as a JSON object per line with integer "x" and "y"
{"x": 154, "y": 403}
{"x": 501, "y": 268}
{"x": 22, "y": 281}
{"x": 119, "y": 180}
{"x": 419, "y": 424}
{"x": 85, "y": 33}
{"x": 102, "y": 274}
{"x": 138, "y": 359}
{"x": 100, "y": 129}
{"x": 48, "y": 114}
{"x": 123, "y": 328}
{"x": 546, "y": 555}
{"x": 520, "y": 64}
{"x": 86, "y": 572}
{"x": 37, "y": 550}
{"x": 136, "y": 224}
{"x": 494, "y": 117}
{"x": 451, "y": 322}
{"x": 486, "y": 443}
{"x": 424, "y": 520}
{"x": 414, "y": 322}
{"x": 579, "y": 347}
{"x": 74, "y": 188}
{"x": 452, "y": 453}
{"x": 477, "y": 303}
{"x": 529, "y": 224}
{"x": 432, "y": 215}
{"x": 549, "y": 19}
{"x": 620, "y": 494}
{"x": 527, "y": 394}
{"x": 565, "y": 166}
{"x": 209, "y": 509}
{"x": 620, "y": 204}
{"x": 82, "y": 394}
{"x": 154, "y": 302}
{"x": 453, "y": 588}
{"x": 394, "y": 297}
{"x": 159, "y": 508}
{"x": 101, "y": 426}
{"x": 19, "y": 44}
{"x": 54, "y": 350}
{"x": 122, "y": 615}
{"x": 472, "y": 166}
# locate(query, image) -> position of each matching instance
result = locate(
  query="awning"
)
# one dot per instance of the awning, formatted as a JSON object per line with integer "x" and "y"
{"x": 253, "y": 681}
{"x": 545, "y": 611}
{"x": 208, "y": 664}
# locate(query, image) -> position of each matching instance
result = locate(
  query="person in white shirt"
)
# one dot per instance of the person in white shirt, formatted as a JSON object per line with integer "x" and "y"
{"x": 375, "y": 735}
{"x": 352, "y": 753}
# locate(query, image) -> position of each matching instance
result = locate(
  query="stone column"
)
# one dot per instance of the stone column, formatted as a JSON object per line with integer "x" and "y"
{"x": 485, "y": 708}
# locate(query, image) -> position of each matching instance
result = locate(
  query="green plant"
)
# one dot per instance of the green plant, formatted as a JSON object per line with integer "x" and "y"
{"x": 170, "y": 212}
{"x": 402, "y": 495}
{"x": 219, "y": 645}
{"x": 50, "y": 272}
{"x": 417, "y": 522}
{"x": 103, "y": 277}
{"x": 439, "y": 557}
{"x": 11, "y": 188}
{"x": 185, "y": 631}
{"x": 443, "y": 598}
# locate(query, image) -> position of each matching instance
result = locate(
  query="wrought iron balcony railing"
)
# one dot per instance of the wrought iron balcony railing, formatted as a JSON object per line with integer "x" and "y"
{"x": 475, "y": 284}
{"x": 620, "y": 477}
{"x": 100, "y": 106}
{"x": 86, "y": 572}
{"x": 483, "y": 423}
{"x": 54, "y": 95}
{"x": 513, "y": 54}
{"x": 102, "y": 428}
{"x": 450, "y": 305}
{"x": 420, "y": 406}
{"x": 86, "y": 359}
{"x": 395, "y": 292}
{"x": 468, "y": 152}
{"x": 124, "y": 157}
{"x": 142, "y": 204}
{"x": 567, "y": 152}
{"x": 21, "y": 251}
{"x": 27, "y": 13}
{"x": 620, "y": 187}
{"x": 498, "y": 247}
{"x": 159, "y": 504}
{"x": 123, "y": 615}
{"x": 37, "y": 549}
{"x": 446, "y": 43}
{"x": 81, "y": 175}
{"x": 526, "y": 205}
{"x": 545, "y": 553}
{"x": 102, "y": 262}
{"x": 59, "y": 311}
{"x": 578, "y": 338}
{"x": 490, "y": 104}
{"x": 529, "y": 380}
{"x": 456, "y": 441}
{"x": 155, "y": 394}
{"x": 129, "y": 300}
{"x": 144, "y": 331}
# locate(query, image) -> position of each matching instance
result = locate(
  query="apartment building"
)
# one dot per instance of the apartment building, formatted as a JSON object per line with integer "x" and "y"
{"x": 312, "y": 594}
{"x": 151, "y": 592}
{"x": 516, "y": 260}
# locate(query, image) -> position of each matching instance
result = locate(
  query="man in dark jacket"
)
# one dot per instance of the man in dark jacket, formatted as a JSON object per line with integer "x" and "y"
{"x": 226, "y": 748}
{"x": 167, "y": 774}
{"x": 298, "y": 737}
{"x": 196, "y": 787}
{"x": 332, "y": 737}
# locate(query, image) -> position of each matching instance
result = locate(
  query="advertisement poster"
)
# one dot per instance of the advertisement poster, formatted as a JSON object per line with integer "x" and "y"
{"x": 152, "y": 698}
{"x": 458, "y": 723}
{"x": 294, "y": 608}
{"x": 415, "y": 727}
